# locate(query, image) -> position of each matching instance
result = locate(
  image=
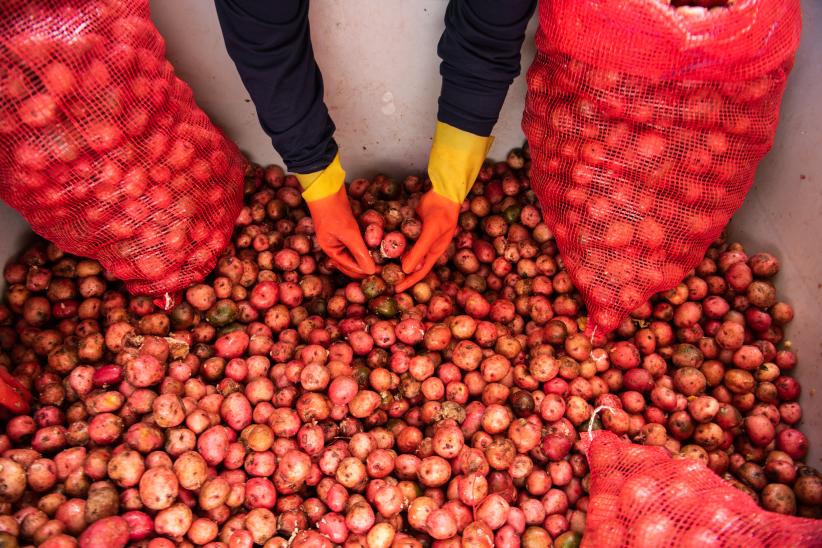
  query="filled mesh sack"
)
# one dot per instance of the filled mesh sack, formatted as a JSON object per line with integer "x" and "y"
{"x": 103, "y": 149}
{"x": 645, "y": 125}
{"x": 642, "y": 498}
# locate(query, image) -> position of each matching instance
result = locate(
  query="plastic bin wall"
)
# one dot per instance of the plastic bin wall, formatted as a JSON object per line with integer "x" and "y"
{"x": 382, "y": 81}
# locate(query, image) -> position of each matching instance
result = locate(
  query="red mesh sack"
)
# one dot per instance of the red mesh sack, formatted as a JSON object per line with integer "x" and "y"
{"x": 645, "y": 125}
{"x": 103, "y": 149}
{"x": 642, "y": 498}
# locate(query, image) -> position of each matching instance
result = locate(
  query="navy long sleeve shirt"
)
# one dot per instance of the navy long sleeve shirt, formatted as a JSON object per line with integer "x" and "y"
{"x": 270, "y": 43}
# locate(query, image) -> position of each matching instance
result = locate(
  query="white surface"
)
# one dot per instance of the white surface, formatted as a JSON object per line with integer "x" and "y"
{"x": 368, "y": 48}
{"x": 13, "y": 233}
{"x": 380, "y": 69}
{"x": 783, "y": 214}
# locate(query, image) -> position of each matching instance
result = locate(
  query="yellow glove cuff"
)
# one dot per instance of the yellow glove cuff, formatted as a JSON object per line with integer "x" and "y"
{"x": 455, "y": 160}
{"x": 322, "y": 184}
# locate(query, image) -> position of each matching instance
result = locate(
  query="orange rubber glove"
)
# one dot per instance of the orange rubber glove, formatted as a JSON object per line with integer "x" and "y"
{"x": 13, "y": 396}
{"x": 453, "y": 164}
{"x": 337, "y": 231}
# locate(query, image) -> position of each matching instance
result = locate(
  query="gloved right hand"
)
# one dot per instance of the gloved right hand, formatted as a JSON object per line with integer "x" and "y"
{"x": 336, "y": 229}
{"x": 13, "y": 396}
{"x": 453, "y": 164}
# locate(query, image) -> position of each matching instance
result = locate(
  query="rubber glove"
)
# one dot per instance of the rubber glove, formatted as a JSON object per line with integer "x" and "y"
{"x": 334, "y": 225}
{"x": 13, "y": 396}
{"x": 453, "y": 164}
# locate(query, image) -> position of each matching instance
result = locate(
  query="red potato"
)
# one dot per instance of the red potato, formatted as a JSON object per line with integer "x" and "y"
{"x": 493, "y": 511}
{"x": 158, "y": 488}
{"x": 168, "y": 410}
{"x": 202, "y": 531}
{"x": 173, "y": 521}
{"x": 434, "y": 471}
{"x": 105, "y": 428}
{"x": 214, "y": 493}
{"x": 793, "y": 442}
{"x": 212, "y": 444}
{"x": 381, "y": 535}
{"x": 107, "y": 532}
{"x": 59, "y": 541}
{"x": 359, "y": 518}
{"x": 279, "y": 389}
{"x": 441, "y": 524}
{"x": 703, "y": 408}
{"x": 232, "y": 345}
{"x": 760, "y": 430}
{"x": 191, "y": 470}
{"x": 102, "y": 501}
{"x": 144, "y": 371}
{"x": 140, "y": 525}
{"x": 259, "y": 493}
{"x": 235, "y": 410}
{"x": 126, "y": 468}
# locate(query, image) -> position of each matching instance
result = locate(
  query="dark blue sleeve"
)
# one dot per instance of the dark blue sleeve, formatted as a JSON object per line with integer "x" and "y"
{"x": 270, "y": 43}
{"x": 480, "y": 52}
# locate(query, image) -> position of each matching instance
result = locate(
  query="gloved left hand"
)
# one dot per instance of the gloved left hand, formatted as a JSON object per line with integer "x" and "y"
{"x": 453, "y": 164}
{"x": 13, "y": 396}
{"x": 334, "y": 225}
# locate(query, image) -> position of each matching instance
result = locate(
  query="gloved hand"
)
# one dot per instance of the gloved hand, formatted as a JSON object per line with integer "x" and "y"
{"x": 13, "y": 396}
{"x": 336, "y": 229}
{"x": 453, "y": 164}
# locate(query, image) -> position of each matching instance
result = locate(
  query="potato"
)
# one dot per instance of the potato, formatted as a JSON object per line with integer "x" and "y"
{"x": 158, "y": 488}
{"x": 103, "y": 501}
{"x": 50, "y": 529}
{"x": 126, "y": 468}
{"x": 110, "y": 532}
{"x": 69, "y": 460}
{"x": 808, "y": 487}
{"x": 42, "y": 475}
{"x": 213, "y": 444}
{"x": 9, "y": 525}
{"x": 31, "y": 520}
{"x": 203, "y": 531}
{"x": 8, "y": 541}
{"x": 180, "y": 440}
{"x": 77, "y": 484}
{"x": 50, "y": 503}
{"x": 214, "y": 493}
{"x": 779, "y": 498}
{"x": 234, "y": 524}
{"x": 14, "y": 480}
{"x": 262, "y": 524}
{"x": 168, "y": 410}
{"x": 104, "y": 402}
{"x": 191, "y": 470}
{"x": 73, "y": 514}
{"x": 59, "y": 541}
{"x": 173, "y": 521}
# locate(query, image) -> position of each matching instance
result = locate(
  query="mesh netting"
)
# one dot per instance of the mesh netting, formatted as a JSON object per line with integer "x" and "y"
{"x": 645, "y": 128}
{"x": 641, "y": 497}
{"x": 103, "y": 149}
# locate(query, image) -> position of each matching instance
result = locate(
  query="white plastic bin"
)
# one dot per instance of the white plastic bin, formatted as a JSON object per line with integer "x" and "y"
{"x": 381, "y": 73}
